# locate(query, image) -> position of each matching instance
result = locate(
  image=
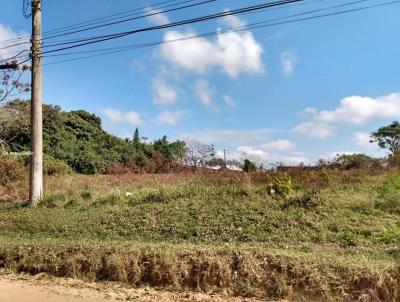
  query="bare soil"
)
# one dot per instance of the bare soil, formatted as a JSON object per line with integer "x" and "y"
{"x": 41, "y": 287}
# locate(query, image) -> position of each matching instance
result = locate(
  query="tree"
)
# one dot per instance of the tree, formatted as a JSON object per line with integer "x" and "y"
{"x": 249, "y": 166}
{"x": 197, "y": 154}
{"x": 388, "y": 137}
{"x": 136, "y": 137}
{"x": 11, "y": 83}
{"x": 174, "y": 151}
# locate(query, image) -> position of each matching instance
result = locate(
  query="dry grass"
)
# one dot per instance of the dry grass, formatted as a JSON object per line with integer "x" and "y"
{"x": 336, "y": 238}
{"x": 239, "y": 271}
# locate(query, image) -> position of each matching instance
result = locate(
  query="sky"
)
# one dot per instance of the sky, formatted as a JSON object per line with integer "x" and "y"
{"x": 291, "y": 93}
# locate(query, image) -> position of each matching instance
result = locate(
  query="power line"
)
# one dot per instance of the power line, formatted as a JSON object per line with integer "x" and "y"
{"x": 253, "y": 26}
{"x": 239, "y": 28}
{"x": 97, "y": 39}
{"x": 132, "y": 19}
{"x": 156, "y": 11}
{"x": 154, "y": 6}
{"x": 117, "y": 22}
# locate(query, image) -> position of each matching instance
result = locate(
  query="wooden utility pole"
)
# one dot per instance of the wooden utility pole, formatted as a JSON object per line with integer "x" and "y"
{"x": 225, "y": 158}
{"x": 36, "y": 159}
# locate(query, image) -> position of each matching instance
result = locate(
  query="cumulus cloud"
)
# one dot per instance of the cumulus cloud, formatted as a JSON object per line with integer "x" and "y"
{"x": 7, "y": 33}
{"x": 315, "y": 129}
{"x": 233, "y": 21}
{"x": 288, "y": 62}
{"x": 171, "y": 117}
{"x": 233, "y": 52}
{"x": 229, "y": 101}
{"x": 252, "y": 144}
{"x": 278, "y": 145}
{"x": 260, "y": 155}
{"x": 117, "y": 116}
{"x": 156, "y": 16}
{"x": 362, "y": 139}
{"x": 204, "y": 92}
{"x": 355, "y": 110}
{"x": 230, "y": 136}
{"x": 164, "y": 94}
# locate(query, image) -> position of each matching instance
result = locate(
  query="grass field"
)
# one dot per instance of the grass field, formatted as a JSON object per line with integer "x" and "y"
{"x": 336, "y": 237}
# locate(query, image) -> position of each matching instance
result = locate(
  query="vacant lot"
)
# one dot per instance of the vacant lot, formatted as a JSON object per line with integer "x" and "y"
{"x": 322, "y": 235}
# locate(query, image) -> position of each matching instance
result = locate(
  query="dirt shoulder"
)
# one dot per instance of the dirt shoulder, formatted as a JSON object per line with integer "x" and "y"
{"x": 41, "y": 287}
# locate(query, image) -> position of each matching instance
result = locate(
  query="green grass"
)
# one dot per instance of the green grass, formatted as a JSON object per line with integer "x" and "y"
{"x": 210, "y": 214}
{"x": 338, "y": 232}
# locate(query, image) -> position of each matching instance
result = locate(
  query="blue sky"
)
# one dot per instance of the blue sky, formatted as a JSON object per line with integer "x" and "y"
{"x": 293, "y": 92}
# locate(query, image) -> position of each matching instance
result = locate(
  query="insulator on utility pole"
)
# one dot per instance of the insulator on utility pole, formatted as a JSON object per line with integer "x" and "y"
{"x": 36, "y": 159}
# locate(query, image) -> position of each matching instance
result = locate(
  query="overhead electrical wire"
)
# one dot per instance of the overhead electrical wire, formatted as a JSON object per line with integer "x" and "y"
{"x": 253, "y": 26}
{"x": 117, "y": 22}
{"x": 256, "y": 25}
{"x": 151, "y": 7}
{"x": 235, "y": 29}
{"x": 156, "y": 11}
{"x": 102, "y": 38}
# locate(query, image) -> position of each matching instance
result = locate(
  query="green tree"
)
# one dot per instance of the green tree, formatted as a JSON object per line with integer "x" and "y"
{"x": 249, "y": 166}
{"x": 136, "y": 137}
{"x": 388, "y": 137}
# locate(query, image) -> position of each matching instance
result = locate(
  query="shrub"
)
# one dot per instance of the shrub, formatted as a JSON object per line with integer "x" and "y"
{"x": 307, "y": 200}
{"x": 394, "y": 159}
{"x": 10, "y": 170}
{"x": 355, "y": 161}
{"x": 282, "y": 186}
{"x": 52, "y": 166}
{"x": 389, "y": 194}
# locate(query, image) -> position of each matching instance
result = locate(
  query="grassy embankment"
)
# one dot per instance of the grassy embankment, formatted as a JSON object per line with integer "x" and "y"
{"x": 337, "y": 237}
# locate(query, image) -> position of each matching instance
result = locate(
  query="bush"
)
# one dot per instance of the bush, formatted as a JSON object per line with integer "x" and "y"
{"x": 389, "y": 194}
{"x": 307, "y": 200}
{"x": 10, "y": 170}
{"x": 282, "y": 186}
{"x": 394, "y": 159}
{"x": 52, "y": 166}
{"x": 355, "y": 161}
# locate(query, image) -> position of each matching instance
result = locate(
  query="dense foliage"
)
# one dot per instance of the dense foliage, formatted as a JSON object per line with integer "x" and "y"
{"x": 78, "y": 139}
{"x": 388, "y": 137}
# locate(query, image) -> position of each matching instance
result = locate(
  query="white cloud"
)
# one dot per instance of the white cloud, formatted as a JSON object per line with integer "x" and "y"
{"x": 117, "y": 116}
{"x": 7, "y": 33}
{"x": 204, "y": 92}
{"x": 332, "y": 155}
{"x": 233, "y": 21}
{"x": 233, "y": 52}
{"x": 356, "y": 110}
{"x": 229, "y": 101}
{"x": 156, "y": 17}
{"x": 288, "y": 62}
{"x": 171, "y": 117}
{"x": 362, "y": 140}
{"x": 315, "y": 129}
{"x": 229, "y": 136}
{"x": 278, "y": 145}
{"x": 164, "y": 94}
{"x": 259, "y": 155}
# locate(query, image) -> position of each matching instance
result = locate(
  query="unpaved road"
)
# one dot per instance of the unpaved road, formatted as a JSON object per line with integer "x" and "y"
{"x": 43, "y": 288}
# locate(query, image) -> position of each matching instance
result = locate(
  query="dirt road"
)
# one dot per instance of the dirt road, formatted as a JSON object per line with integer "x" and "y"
{"x": 43, "y": 288}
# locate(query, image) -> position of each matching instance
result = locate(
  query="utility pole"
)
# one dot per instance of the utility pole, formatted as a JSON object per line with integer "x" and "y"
{"x": 36, "y": 158}
{"x": 225, "y": 158}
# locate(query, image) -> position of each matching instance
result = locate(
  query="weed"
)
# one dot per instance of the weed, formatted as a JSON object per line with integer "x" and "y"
{"x": 306, "y": 200}
{"x": 282, "y": 187}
